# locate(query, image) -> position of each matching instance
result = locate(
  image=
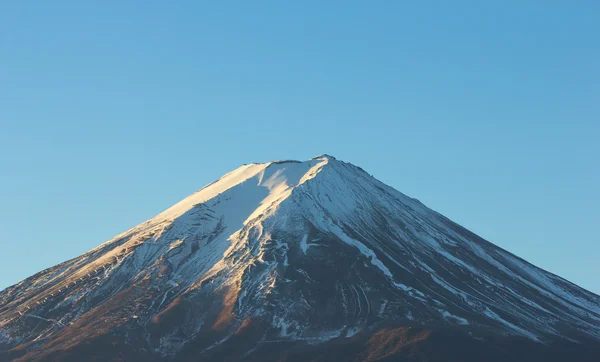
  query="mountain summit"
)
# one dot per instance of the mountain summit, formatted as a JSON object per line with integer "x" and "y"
{"x": 295, "y": 261}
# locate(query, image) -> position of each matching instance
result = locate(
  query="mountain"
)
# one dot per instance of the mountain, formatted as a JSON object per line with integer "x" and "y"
{"x": 295, "y": 261}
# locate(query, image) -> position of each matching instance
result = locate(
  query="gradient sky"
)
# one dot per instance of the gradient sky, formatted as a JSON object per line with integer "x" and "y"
{"x": 488, "y": 112}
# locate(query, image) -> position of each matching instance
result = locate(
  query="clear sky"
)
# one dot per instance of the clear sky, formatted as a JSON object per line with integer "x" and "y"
{"x": 486, "y": 111}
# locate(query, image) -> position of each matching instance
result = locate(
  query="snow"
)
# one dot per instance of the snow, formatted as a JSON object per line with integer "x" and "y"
{"x": 411, "y": 291}
{"x": 352, "y": 332}
{"x": 517, "y": 329}
{"x": 211, "y": 190}
{"x": 303, "y": 244}
{"x": 45, "y": 319}
{"x": 370, "y": 254}
{"x": 175, "y": 244}
{"x": 283, "y": 325}
{"x": 454, "y": 318}
{"x": 382, "y": 307}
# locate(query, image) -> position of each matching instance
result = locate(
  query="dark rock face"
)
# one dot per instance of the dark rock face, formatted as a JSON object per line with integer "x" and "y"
{"x": 297, "y": 261}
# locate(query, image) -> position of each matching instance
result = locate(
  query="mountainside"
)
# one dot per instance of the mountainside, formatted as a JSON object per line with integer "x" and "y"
{"x": 291, "y": 260}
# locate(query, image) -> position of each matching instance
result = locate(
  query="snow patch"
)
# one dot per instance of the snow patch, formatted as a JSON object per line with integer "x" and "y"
{"x": 517, "y": 329}
{"x": 352, "y": 332}
{"x": 303, "y": 245}
{"x": 454, "y": 318}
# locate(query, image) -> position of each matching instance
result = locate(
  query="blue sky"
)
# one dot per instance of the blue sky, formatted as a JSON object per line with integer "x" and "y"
{"x": 488, "y": 112}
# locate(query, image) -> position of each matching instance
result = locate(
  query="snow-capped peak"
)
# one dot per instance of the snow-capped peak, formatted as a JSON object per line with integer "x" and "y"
{"x": 317, "y": 249}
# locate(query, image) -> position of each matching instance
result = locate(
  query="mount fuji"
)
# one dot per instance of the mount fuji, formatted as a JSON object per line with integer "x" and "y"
{"x": 298, "y": 261}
